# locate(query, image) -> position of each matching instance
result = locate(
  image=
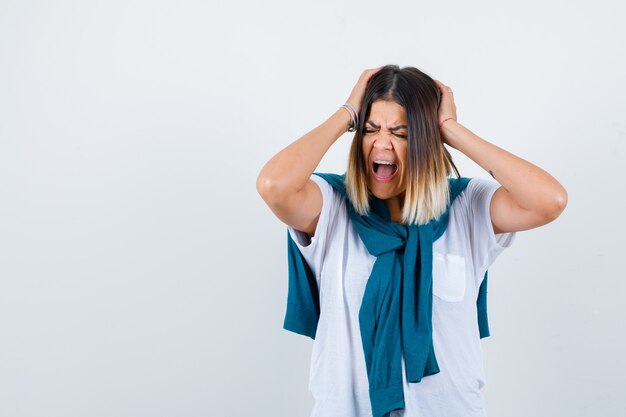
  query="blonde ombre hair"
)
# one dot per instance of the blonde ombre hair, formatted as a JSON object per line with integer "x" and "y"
{"x": 428, "y": 165}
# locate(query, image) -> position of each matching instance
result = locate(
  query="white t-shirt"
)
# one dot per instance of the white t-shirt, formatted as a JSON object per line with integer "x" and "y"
{"x": 341, "y": 264}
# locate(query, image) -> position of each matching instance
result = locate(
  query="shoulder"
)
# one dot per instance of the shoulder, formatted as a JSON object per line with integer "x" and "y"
{"x": 478, "y": 188}
{"x": 473, "y": 201}
{"x": 332, "y": 186}
{"x": 480, "y": 191}
{"x": 332, "y": 181}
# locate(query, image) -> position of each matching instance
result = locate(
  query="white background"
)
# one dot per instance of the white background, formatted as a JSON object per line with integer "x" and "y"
{"x": 142, "y": 275}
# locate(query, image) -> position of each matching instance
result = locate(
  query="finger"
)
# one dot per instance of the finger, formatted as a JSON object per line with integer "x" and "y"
{"x": 444, "y": 88}
{"x": 368, "y": 73}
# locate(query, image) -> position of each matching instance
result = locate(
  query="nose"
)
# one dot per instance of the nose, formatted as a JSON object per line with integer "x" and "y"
{"x": 383, "y": 141}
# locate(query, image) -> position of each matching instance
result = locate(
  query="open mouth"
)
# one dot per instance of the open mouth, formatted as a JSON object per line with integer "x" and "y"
{"x": 385, "y": 171}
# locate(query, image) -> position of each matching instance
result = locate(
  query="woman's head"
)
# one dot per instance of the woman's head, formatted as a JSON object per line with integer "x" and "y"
{"x": 398, "y": 124}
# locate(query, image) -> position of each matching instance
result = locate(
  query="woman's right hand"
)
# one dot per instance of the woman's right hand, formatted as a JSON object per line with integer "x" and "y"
{"x": 285, "y": 182}
{"x": 356, "y": 96}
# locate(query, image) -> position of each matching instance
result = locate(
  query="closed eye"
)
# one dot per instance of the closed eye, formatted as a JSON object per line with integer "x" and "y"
{"x": 370, "y": 131}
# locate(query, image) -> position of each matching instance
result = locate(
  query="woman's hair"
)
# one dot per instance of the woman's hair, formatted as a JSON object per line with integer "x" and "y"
{"x": 428, "y": 162}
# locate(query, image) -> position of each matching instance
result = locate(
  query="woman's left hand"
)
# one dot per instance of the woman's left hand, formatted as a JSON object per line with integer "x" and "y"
{"x": 447, "y": 108}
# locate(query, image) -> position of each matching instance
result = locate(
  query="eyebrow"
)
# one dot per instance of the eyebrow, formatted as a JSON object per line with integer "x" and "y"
{"x": 391, "y": 128}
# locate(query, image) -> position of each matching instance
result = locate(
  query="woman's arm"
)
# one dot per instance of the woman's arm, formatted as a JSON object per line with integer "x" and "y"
{"x": 284, "y": 182}
{"x": 529, "y": 196}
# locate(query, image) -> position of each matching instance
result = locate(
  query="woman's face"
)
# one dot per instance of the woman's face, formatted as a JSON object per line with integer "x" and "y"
{"x": 385, "y": 139}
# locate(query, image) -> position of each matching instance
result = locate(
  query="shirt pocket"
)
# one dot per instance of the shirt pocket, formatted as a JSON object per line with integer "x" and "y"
{"x": 449, "y": 276}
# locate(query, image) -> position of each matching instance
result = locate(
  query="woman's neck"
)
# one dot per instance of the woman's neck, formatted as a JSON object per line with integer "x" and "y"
{"x": 394, "y": 205}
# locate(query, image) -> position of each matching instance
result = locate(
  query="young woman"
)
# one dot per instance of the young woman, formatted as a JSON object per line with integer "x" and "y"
{"x": 388, "y": 262}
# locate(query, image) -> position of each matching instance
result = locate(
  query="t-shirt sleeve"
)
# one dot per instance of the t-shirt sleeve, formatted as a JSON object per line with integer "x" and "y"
{"x": 486, "y": 244}
{"x": 313, "y": 249}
